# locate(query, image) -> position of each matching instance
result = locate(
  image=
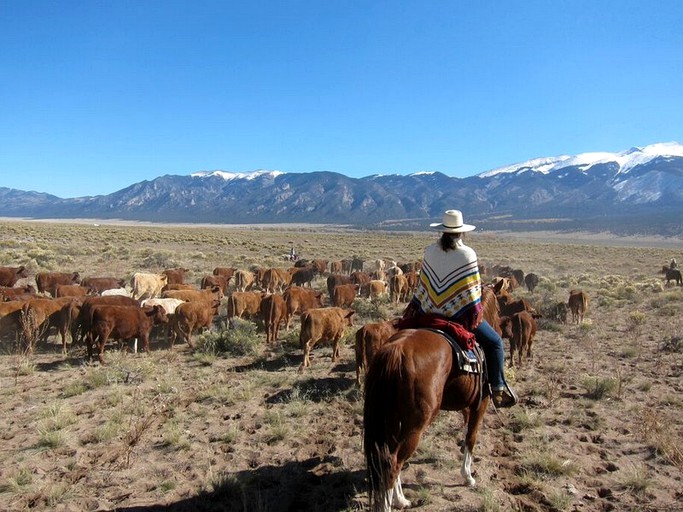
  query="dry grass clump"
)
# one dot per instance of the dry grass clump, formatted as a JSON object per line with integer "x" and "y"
{"x": 655, "y": 429}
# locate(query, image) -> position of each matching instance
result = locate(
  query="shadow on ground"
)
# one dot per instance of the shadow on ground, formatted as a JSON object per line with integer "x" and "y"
{"x": 315, "y": 484}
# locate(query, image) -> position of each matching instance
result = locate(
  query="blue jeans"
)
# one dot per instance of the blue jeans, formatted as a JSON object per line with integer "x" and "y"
{"x": 492, "y": 344}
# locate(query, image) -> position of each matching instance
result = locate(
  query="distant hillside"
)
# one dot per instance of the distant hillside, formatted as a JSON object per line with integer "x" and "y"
{"x": 636, "y": 191}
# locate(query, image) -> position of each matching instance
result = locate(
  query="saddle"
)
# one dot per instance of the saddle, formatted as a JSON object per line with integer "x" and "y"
{"x": 467, "y": 354}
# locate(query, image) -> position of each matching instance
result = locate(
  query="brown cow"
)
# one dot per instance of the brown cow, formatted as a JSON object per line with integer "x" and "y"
{"x": 360, "y": 277}
{"x": 73, "y": 290}
{"x": 320, "y": 266}
{"x": 83, "y": 315}
{"x": 336, "y": 279}
{"x": 240, "y": 304}
{"x": 323, "y": 324}
{"x": 191, "y": 316}
{"x": 100, "y": 284}
{"x": 175, "y": 275}
{"x": 374, "y": 289}
{"x": 8, "y": 293}
{"x": 10, "y": 275}
{"x": 226, "y": 272}
{"x": 508, "y": 306}
{"x": 299, "y": 300}
{"x": 211, "y": 281}
{"x": 41, "y": 314}
{"x": 335, "y": 267}
{"x": 178, "y": 286}
{"x": 344, "y": 295}
{"x": 123, "y": 323}
{"x": 398, "y": 288}
{"x": 48, "y": 281}
{"x": 578, "y": 305}
{"x": 368, "y": 339}
{"x": 194, "y": 295}
{"x": 244, "y": 280}
{"x": 273, "y": 312}
{"x": 275, "y": 280}
{"x": 520, "y": 328}
{"x": 10, "y": 319}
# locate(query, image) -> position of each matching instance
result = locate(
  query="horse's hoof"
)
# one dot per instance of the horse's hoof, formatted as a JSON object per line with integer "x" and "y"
{"x": 401, "y": 502}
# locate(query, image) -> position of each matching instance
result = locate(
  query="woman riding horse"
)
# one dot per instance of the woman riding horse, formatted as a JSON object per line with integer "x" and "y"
{"x": 415, "y": 374}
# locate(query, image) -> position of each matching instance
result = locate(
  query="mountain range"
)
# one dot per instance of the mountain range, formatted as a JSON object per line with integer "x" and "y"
{"x": 638, "y": 191}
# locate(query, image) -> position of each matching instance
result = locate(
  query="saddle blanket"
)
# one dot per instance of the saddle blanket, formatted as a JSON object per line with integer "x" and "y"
{"x": 464, "y": 338}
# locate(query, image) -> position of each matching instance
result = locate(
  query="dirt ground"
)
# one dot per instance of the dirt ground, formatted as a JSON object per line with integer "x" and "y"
{"x": 599, "y": 426}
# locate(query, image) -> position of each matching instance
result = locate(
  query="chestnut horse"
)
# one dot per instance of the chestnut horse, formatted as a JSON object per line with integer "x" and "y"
{"x": 410, "y": 379}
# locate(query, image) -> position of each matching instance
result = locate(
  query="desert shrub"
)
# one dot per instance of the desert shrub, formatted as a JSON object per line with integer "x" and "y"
{"x": 636, "y": 319}
{"x": 239, "y": 340}
{"x": 371, "y": 310}
{"x": 598, "y": 388}
{"x": 673, "y": 344}
{"x": 150, "y": 258}
{"x": 544, "y": 463}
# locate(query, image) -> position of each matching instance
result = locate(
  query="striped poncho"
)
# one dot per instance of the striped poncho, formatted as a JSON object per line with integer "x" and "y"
{"x": 450, "y": 284}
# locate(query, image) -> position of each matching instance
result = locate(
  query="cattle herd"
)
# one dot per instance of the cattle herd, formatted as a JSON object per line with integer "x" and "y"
{"x": 95, "y": 311}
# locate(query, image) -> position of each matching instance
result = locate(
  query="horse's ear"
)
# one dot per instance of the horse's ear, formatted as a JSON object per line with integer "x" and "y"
{"x": 497, "y": 287}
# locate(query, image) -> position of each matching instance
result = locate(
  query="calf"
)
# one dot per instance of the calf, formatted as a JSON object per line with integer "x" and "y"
{"x": 531, "y": 281}
{"x": 323, "y": 324}
{"x": 241, "y": 304}
{"x": 191, "y": 316}
{"x": 578, "y": 305}
{"x": 194, "y": 295}
{"x": 520, "y": 328}
{"x": 73, "y": 290}
{"x": 244, "y": 280}
{"x": 303, "y": 276}
{"x": 175, "y": 275}
{"x": 41, "y": 314}
{"x": 101, "y": 284}
{"x": 83, "y": 317}
{"x": 226, "y": 272}
{"x": 10, "y": 319}
{"x": 211, "y": 281}
{"x": 334, "y": 280}
{"x": 273, "y": 311}
{"x": 344, "y": 295}
{"x": 47, "y": 281}
{"x": 147, "y": 286}
{"x": 398, "y": 288}
{"x": 123, "y": 323}
{"x": 369, "y": 339}
{"x": 10, "y": 275}
{"x": 8, "y": 292}
{"x": 299, "y": 300}
{"x": 374, "y": 289}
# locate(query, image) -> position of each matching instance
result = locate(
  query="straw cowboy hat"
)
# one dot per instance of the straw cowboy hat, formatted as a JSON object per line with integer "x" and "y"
{"x": 452, "y": 223}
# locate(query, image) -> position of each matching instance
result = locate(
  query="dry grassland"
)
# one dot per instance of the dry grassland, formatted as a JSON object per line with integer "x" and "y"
{"x": 232, "y": 426}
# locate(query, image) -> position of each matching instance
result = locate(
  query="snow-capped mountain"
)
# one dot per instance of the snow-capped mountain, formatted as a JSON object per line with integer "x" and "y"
{"x": 626, "y": 160}
{"x": 635, "y": 191}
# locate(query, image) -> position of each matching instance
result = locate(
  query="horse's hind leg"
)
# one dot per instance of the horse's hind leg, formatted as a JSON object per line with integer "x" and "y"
{"x": 399, "y": 499}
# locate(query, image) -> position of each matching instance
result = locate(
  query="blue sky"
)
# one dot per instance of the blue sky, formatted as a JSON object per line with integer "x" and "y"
{"x": 98, "y": 95}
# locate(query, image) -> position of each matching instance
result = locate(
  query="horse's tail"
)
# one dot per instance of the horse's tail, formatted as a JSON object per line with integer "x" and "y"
{"x": 381, "y": 382}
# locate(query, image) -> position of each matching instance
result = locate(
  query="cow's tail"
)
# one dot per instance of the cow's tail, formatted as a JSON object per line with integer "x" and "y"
{"x": 382, "y": 379}
{"x": 304, "y": 335}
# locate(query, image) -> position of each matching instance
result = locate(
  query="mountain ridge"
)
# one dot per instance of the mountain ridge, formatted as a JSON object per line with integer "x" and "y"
{"x": 639, "y": 190}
